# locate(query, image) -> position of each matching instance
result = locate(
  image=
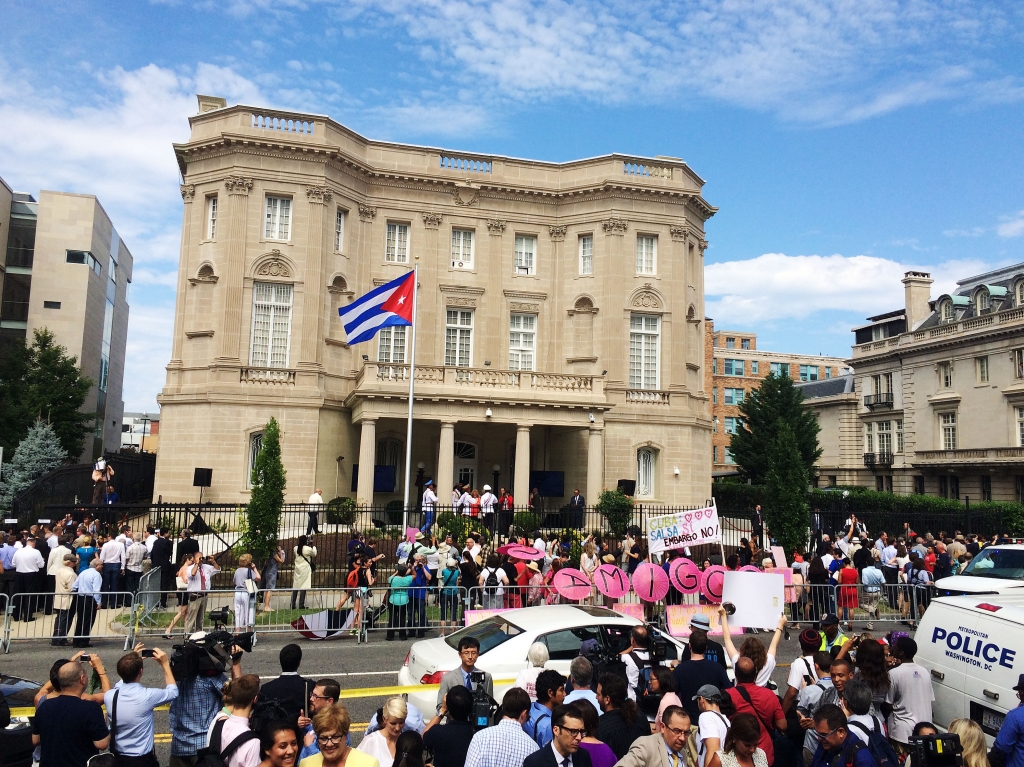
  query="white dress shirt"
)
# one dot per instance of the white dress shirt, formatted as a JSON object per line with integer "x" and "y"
{"x": 316, "y": 498}
{"x": 487, "y": 502}
{"x": 112, "y": 553}
{"x": 150, "y": 540}
{"x": 28, "y": 560}
{"x": 429, "y": 499}
{"x": 56, "y": 559}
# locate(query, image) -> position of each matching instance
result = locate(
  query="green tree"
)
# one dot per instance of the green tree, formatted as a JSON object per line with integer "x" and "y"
{"x": 617, "y": 509}
{"x": 39, "y": 453}
{"x": 777, "y": 401}
{"x": 267, "y": 498}
{"x": 785, "y": 492}
{"x": 42, "y": 382}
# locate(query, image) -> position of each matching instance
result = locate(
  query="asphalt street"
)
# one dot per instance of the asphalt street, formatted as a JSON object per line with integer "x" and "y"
{"x": 354, "y": 666}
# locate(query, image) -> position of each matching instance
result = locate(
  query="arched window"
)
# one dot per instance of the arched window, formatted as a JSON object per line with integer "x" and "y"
{"x": 645, "y": 459}
{"x": 1020, "y": 293}
{"x": 947, "y": 311}
{"x": 255, "y": 446}
{"x": 339, "y": 284}
{"x": 465, "y": 463}
{"x": 984, "y": 300}
{"x": 205, "y": 272}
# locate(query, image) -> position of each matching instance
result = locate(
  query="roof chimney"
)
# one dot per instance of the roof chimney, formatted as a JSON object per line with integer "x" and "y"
{"x": 918, "y": 292}
{"x": 210, "y": 103}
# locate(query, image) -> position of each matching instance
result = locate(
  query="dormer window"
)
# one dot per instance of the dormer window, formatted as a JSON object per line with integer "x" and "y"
{"x": 947, "y": 314}
{"x": 1020, "y": 293}
{"x": 983, "y": 300}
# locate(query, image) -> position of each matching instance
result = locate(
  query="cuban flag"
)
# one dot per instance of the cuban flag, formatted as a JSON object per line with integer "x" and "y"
{"x": 388, "y": 305}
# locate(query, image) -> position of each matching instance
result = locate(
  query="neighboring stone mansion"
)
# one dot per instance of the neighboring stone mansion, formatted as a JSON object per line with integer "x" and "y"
{"x": 561, "y": 310}
{"x": 936, "y": 404}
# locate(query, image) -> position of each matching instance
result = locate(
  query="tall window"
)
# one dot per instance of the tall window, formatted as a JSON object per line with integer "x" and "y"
{"x": 714, "y": 454}
{"x": 1020, "y": 293}
{"x": 644, "y": 350}
{"x": 808, "y": 372}
{"x": 869, "y": 437}
{"x": 948, "y": 421}
{"x": 885, "y": 437}
{"x": 211, "y": 217}
{"x": 753, "y": 367}
{"x": 646, "y": 254}
{"x": 779, "y": 369}
{"x": 255, "y": 446}
{"x": 981, "y": 365}
{"x": 734, "y": 396}
{"x": 948, "y": 314}
{"x": 278, "y": 220}
{"x": 458, "y": 338}
{"x": 1018, "y": 363}
{"x": 714, "y": 365}
{"x": 389, "y": 453}
{"x": 882, "y": 383}
{"x": 946, "y": 374}
{"x": 828, "y": 372}
{"x": 339, "y": 230}
{"x": 462, "y": 249}
{"x": 984, "y": 301}
{"x": 899, "y": 436}
{"x": 1020, "y": 425}
{"x": 396, "y": 249}
{"x": 714, "y": 395}
{"x": 730, "y": 343}
{"x": 645, "y": 473}
{"x": 729, "y": 459}
{"x": 391, "y": 345}
{"x": 587, "y": 254}
{"x": 522, "y": 341}
{"x": 745, "y": 343}
{"x": 734, "y": 367}
{"x": 271, "y": 324}
{"x": 526, "y": 254}
{"x": 733, "y": 425}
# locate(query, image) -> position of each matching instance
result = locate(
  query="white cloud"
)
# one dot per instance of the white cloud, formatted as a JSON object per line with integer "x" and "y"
{"x": 974, "y": 231}
{"x": 775, "y": 286}
{"x": 1012, "y": 227}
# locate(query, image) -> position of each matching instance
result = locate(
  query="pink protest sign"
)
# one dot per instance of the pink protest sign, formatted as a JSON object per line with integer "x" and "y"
{"x": 611, "y": 581}
{"x": 787, "y": 573}
{"x": 526, "y": 553}
{"x": 749, "y": 569}
{"x": 650, "y": 582}
{"x": 632, "y": 609}
{"x": 572, "y": 584}
{"x": 410, "y": 534}
{"x": 683, "y": 528}
{"x": 475, "y": 616}
{"x": 679, "y": 616}
{"x": 711, "y": 582}
{"x": 685, "y": 575}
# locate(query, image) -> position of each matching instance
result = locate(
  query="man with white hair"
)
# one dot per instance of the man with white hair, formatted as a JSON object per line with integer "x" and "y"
{"x": 316, "y": 500}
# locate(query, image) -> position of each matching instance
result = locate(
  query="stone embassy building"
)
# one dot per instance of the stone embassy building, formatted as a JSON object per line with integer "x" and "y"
{"x": 561, "y": 310}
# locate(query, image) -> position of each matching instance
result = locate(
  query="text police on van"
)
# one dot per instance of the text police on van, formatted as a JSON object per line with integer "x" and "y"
{"x": 970, "y": 646}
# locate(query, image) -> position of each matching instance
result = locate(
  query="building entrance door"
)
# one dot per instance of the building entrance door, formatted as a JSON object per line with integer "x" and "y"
{"x": 465, "y": 464}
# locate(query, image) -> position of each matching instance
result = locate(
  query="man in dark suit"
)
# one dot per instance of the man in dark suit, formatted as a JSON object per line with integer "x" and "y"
{"x": 564, "y": 749}
{"x": 290, "y": 690}
{"x": 160, "y": 556}
{"x": 577, "y": 501}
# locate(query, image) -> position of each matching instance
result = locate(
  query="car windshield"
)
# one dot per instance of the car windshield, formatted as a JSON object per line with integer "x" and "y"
{"x": 997, "y": 563}
{"x": 19, "y": 692}
{"x": 490, "y": 632}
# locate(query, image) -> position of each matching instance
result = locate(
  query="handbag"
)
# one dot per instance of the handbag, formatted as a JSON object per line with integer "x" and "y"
{"x": 310, "y": 562}
{"x": 250, "y": 584}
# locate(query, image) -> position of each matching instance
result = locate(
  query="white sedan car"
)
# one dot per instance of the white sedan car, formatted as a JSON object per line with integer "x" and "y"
{"x": 505, "y": 640}
{"x": 995, "y": 570}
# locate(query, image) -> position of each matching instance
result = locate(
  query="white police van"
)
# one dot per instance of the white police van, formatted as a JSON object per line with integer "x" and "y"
{"x": 973, "y": 647}
{"x": 994, "y": 570}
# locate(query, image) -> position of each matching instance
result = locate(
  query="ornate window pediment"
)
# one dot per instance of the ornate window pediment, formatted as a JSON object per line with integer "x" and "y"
{"x": 274, "y": 266}
{"x": 646, "y": 298}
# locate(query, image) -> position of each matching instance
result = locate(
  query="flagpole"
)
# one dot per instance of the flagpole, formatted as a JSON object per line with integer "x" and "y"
{"x": 412, "y": 386}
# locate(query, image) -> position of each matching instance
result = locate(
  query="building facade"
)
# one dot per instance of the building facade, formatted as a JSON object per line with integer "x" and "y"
{"x": 140, "y": 431}
{"x": 736, "y": 368}
{"x": 66, "y": 269}
{"x": 938, "y": 399}
{"x": 560, "y": 314}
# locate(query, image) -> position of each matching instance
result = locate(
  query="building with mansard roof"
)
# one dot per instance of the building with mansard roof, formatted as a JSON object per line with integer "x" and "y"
{"x": 561, "y": 310}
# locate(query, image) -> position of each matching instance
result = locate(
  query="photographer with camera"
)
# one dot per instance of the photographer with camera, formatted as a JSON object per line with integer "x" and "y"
{"x": 197, "y": 572}
{"x": 131, "y": 705}
{"x": 467, "y": 673}
{"x": 199, "y": 698}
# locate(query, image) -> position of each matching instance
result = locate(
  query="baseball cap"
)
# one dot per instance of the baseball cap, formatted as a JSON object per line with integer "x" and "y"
{"x": 830, "y": 619}
{"x": 708, "y": 692}
{"x": 589, "y": 647}
{"x": 700, "y": 622}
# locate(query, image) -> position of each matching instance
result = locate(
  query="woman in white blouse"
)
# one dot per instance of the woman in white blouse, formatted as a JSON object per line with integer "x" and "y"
{"x": 380, "y": 744}
{"x": 302, "y": 576}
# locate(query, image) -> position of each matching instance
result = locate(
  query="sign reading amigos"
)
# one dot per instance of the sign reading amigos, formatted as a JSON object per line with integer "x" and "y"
{"x": 683, "y": 528}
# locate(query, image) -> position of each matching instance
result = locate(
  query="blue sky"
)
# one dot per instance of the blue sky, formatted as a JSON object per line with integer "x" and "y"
{"x": 844, "y": 141}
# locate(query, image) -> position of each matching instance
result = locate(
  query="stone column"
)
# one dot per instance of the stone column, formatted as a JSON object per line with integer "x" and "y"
{"x": 595, "y": 465}
{"x": 314, "y": 288}
{"x": 367, "y": 459}
{"x": 234, "y": 267}
{"x": 188, "y": 194}
{"x": 446, "y": 463}
{"x": 521, "y": 481}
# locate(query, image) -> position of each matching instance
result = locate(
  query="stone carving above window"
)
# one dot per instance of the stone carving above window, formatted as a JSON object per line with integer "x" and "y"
{"x": 432, "y": 220}
{"x": 188, "y": 191}
{"x": 496, "y": 227}
{"x": 320, "y": 195}
{"x": 614, "y": 226}
{"x": 469, "y": 303}
{"x": 557, "y": 232}
{"x": 583, "y": 305}
{"x": 646, "y": 298}
{"x": 204, "y": 275}
{"x": 366, "y": 212}
{"x": 465, "y": 196}
{"x": 528, "y": 308}
{"x": 678, "y": 232}
{"x": 238, "y": 185}
{"x": 273, "y": 265}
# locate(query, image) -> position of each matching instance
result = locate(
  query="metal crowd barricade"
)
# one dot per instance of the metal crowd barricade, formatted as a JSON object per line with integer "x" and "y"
{"x": 151, "y": 619}
{"x": 883, "y": 606}
{"x": 324, "y": 611}
{"x": 111, "y": 619}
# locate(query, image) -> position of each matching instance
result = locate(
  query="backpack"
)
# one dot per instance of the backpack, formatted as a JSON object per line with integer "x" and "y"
{"x": 212, "y": 756}
{"x": 533, "y": 728}
{"x": 643, "y": 689}
{"x": 266, "y": 711}
{"x": 491, "y": 582}
{"x": 352, "y": 581}
{"x": 879, "y": 746}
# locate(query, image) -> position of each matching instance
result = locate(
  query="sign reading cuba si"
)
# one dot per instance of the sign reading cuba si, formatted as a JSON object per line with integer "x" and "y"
{"x": 684, "y": 528}
{"x": 973, "y": 648}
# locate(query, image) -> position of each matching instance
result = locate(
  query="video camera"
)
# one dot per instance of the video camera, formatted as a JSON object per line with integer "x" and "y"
{"x": 936, "y": 750}
{"x": 484, "y": 708}
{"x": 208, "y": 653}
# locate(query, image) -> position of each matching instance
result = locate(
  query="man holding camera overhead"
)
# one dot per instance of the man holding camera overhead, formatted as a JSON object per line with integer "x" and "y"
{"x": 130, "y": 708}
{"x": 197, "y": 573}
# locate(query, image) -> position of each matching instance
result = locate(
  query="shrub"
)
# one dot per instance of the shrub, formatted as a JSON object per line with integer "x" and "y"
{"x": 267, "y": 498}
{"x": 527, "y": 521}
{"x": 460, "y": 526}
{"x": 341, "y": 511}
{"x": 617, "y": 508}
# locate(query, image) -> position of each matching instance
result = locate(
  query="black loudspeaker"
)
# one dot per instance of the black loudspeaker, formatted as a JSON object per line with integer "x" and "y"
{"x": 627, "y": 486}
{"x": 202, "y": 478}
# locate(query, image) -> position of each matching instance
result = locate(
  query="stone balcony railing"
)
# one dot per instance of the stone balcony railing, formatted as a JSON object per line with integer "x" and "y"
{"x": 481, "y": 382}
{"x": 267, "y": 376}
{"x": 1008, "y": 317}
{"x": 970, "y": 457}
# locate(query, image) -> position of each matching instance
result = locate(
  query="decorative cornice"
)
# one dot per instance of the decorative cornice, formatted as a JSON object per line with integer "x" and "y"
{"x": 679, "y": 232}
{"x": 204, "y": 279}
{"x": 432, "y": 220}
{"x": 528, "y": 308}
{"x": 457, "y": 198}
{"x": 238, "y": 185}
{"x": 469, "y": 303}
{"x": 198, "y": 334}
{"x": 496, "y": 227}
{"x": 614, "y": 226}
{"x": 468, "y": 290}
{"x": 525, "y": 295}
{"x": 367, "y": 212}
{"x": 319, "y": 195}
{"x": 702, "y": 245}
{"x": 557, "y": 232}
{"x": 188, "y": 192}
